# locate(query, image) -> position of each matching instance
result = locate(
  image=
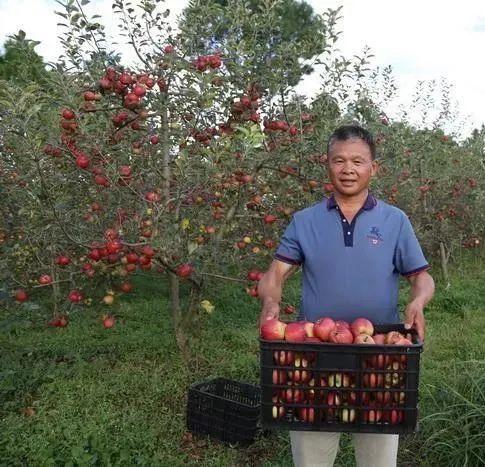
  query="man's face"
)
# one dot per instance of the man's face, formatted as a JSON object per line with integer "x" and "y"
{"x": 350, "y": 166}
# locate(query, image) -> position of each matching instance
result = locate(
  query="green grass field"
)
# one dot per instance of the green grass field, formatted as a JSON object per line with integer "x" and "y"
{"x": 84, "y": 395}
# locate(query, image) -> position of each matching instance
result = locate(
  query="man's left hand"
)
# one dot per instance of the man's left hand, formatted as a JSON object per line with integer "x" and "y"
{"x": 414, "y": 318}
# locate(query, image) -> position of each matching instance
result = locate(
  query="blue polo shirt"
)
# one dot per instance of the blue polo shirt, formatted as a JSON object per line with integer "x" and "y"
{"x": 351, "y": 270}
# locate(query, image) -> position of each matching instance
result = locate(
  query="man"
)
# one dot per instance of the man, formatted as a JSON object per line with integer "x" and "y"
{"x": 353, "y": 248}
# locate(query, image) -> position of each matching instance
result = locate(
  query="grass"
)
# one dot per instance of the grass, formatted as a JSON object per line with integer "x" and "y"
{"x": 88, "y": 396}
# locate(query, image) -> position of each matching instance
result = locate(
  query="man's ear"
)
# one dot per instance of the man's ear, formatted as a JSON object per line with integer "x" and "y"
{"x": 375, "y": 168}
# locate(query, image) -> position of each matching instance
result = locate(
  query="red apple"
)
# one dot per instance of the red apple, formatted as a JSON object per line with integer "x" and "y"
{"x": 273, "y": 329}
{"x": 295, "y": 332}
{"x": 403, "y": 341}
{"x": 323, "y": 327}
{"x": 45, "y": 279}
{"x": 108, "y": 322}
{"x": 62, "y": 260}
{"x": 364, "y": 339}
{"x": 289, "y": 309}
{"x": 306, "y": 414}
{"x": 393, "y": 336}
{"x": 379, "y": 339}
{"x": 184, "y": 270}
{"x": 291, "y": 395}
{"x": 279, "y": 377}
{"x": 308, "y": 325}
{"x": 21, "y": 296}
{"x": 342, "y": 324}
{"x": 283, "y": 357}
{"x": 362, "y": 326}
{"x": 341, "y": 336}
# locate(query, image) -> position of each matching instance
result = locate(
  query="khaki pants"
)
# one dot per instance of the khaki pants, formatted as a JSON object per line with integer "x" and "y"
{"x": 319, "y": 449}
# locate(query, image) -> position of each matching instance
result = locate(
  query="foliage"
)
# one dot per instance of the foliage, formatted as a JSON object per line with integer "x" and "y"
{"x": 192, "y": 162}
{"x": 20, "y": 63}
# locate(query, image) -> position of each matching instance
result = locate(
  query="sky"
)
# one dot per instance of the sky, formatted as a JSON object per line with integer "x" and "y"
{"x": 420, "y": 39}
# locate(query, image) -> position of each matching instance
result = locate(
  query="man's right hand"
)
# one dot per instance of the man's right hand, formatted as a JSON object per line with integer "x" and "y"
{"x": 271, "y": 310}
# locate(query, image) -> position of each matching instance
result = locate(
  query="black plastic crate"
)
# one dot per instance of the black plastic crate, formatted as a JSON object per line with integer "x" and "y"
{"x": 225, "y": 409}
{"x": 339, "y": 387}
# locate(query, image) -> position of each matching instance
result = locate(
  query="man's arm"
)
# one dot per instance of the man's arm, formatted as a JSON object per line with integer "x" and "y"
{"x": 270, "y": 288}
{"x": 422, "y": 291}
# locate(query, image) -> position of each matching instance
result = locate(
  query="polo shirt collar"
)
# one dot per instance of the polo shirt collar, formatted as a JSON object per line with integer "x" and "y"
{"x": 369, "y": 204}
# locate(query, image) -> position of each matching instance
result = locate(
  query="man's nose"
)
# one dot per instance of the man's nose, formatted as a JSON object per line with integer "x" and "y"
{"x": 348, "y": 167}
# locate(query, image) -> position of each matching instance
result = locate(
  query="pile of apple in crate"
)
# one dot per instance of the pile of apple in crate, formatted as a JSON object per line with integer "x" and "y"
{"x": 339, "y": 376}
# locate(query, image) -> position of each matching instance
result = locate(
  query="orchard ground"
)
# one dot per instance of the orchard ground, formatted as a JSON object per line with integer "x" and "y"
{"x": 85, "y": 395}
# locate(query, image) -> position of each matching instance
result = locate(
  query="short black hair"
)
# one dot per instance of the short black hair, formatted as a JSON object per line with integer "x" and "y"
{"x": 346, "y": 132}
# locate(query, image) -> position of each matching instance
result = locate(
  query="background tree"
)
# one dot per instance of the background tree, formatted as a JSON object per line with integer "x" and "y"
{"x": 20, "y": 62}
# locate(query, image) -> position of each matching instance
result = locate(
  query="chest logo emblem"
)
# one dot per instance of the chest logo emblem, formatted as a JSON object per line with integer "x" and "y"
{"x": 374, "y": 236}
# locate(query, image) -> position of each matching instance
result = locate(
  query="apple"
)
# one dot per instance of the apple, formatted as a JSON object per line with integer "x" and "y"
{"x": 75, "y": 296}
{"x": 292, "y": 395}
{"x": 254, "y": 275}
{"x": 126, "y": 287}
{"x": 363, "y": 339}
{"x": 306, "y": 414}
{"x": 394, "y": 417}
{"x": 283, "y": 357}
{"x": 403, "y": 341}
{"x": 59, "y": 322}
{"x": 62, "y": 260}
{"x": 68, "y": 114}
{"x": 362, "y": 326}
{"x": 379, "y": 339}
{"x": 373, "y": 416}
{"x": 338, "y": 380}
{"x": 373, "y": 380}
{"x": 21, "y": 296}
{"x": 278, "y": 411}
{"x": 379, "y": 361}
{"x": 299, "y": 376}
{"x": 289, "y": 309}
{"x": 333, "y": 400}
{"x": 273, "y": 329}
{"x": 393, "y": 336}
{"x": 184, "y": 270}
{"x": 341, "y": 336}
{"x": 342, "y": 324}
{"x": 108, "y": 321}
{"x": 323, "y": 327}
{"x": 399, "y": 397}
{"x": 45, "y": 279}
{"x": 308, "y": 326}
{"x": 383, "y": 397}
{"x": 347, "y": 415}
{"x": 295, "y": 332}
{"x": 279, "y": 377}
{"x": 269, "y": 219}
{"x": 108, "y": 299}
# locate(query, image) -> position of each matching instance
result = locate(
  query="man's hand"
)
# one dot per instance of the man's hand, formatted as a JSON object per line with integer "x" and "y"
{"x": 414, "y": 317}
{"x": 271, "y": 310}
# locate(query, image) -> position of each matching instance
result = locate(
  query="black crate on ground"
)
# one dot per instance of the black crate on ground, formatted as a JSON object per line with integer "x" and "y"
{"x": 225, "y": 409}
{"x": 339, "y": 387}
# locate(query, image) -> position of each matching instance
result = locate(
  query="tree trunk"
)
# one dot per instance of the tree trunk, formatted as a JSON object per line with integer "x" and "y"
{"x": 444, "y": 264}
{"x": 177, "y": 318}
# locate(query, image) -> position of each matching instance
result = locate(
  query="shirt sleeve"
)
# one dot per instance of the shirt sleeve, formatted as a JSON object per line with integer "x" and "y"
{"x": 408, "y": 257}
{"x": 289, "y": 250}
